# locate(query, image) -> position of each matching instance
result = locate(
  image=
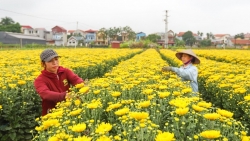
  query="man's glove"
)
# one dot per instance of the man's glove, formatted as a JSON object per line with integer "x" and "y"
{"x": 166, "y": 68}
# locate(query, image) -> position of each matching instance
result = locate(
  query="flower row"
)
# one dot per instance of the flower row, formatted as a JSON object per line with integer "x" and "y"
{"x": 229, "y": 56}
{"x": 225, "y": 85}
{"x": 19, "y": 102}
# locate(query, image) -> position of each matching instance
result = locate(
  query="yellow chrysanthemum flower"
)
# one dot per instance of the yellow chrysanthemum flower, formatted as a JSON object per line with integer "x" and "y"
{"x": 103, "y": 138}
{"x": 144, "y": 104}
{"x": 210, "y": 134}
{"x": 186, "y": 90}
{"x": 77, "y": 102}
{"x": 96, "y": 91}
{"x": 225, "y": 113}
{"x": 162, "y": 87}
{"x": 139, "y": 115}
{"x": 84, "y": 90}
{"x": 148, "y": 91}
{"x": 103, "y": 128}
{"x": 163, "y": 94}
{"x": 247, "y": 98}
{"x": 122, "y": 111}
{"x": 113, "y": 106}
{"x": 212, "y": 116}
{"x": 53, "y": 138}
{"x": 75, "y": 112}
{"x": 79, "y": 127}
{"x": 181, "y": 111}
{"x": 165, "y": 136}
{"x": 51, "y": 122}
{"x": 116, "y": 94}
{"x": 79, "y": 85}
{"x": 204, "y": 104}
{"x": 84, "y": 138}
{"x": 93, "y": 105}
{"x": 198, "y": 108}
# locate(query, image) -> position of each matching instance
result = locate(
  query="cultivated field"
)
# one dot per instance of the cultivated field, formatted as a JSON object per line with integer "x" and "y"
{"x": 129, "y": 98}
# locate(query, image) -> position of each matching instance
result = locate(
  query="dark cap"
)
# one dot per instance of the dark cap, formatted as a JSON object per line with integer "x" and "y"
{"x": 48, "y": 54}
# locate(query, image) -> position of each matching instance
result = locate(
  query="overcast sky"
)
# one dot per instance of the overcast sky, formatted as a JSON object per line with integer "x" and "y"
{"x": 216, "y": 16}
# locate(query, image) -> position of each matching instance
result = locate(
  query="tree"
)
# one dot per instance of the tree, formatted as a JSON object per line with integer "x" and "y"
{"x": 113, "y": 33}
{"x": 179, "y": 42}
{"x": 188, "y": 38}
{"x": 11, "y": 28}
{"x": 128, "y": 32}
{"x": 7, "y": 24}
{"x": 240, "y": 35}
{"x": 6, "y": 21}
{"x": 205, "y": 42}
{"x": 210, "y": 35}
{"x": 153, "y": 38}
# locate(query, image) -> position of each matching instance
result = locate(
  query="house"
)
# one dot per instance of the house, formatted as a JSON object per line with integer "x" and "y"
{"x": 26, "y": 29}
{"x": 38, "y": 32}
{"x": 221, "y": 40}
{"x": 247, "y": 36}
{"x": 171, "y": 36}
{"x": 239, "y": 42}
{"x": 90, "y": 36}
{"x": 19, "y": 38}
{"x": 59, "y": 35}
{"x": 75, "y": 41}
{"x": 101, "y": 39}
{"x": 140, "y": 35}
{"x": 77, "y": 32}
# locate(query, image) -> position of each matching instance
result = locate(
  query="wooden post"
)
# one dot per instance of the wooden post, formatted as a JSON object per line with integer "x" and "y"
{"x": 21, "y": 44}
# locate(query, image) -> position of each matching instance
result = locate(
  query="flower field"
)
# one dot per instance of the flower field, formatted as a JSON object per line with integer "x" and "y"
{"x": 20, "y": 104}
{"x": 129, "y": 98}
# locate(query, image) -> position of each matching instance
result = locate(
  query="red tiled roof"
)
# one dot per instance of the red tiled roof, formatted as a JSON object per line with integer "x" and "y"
{"x": 61, "y": 29}
{"x": 220, "y": 35}
{"x": 71, "y": 31}
{"x": 26, "y": 26}
{"x": 91, "y": 31}
{"x": 241, "y": 41}
{"x": 181, "y": 34}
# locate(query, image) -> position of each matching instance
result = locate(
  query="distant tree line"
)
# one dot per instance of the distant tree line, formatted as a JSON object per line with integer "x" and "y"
{"x": 114, "y": 32}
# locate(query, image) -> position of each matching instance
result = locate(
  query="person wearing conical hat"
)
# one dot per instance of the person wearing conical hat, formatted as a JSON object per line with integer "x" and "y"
{"x": 187, "y": 72}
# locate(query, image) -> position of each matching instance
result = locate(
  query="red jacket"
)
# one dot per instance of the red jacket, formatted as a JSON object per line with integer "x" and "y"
{"x": 52, "y": 87}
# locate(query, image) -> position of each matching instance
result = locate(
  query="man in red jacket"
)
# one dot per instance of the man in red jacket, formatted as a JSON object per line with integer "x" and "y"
{"x": 54, "y": 82}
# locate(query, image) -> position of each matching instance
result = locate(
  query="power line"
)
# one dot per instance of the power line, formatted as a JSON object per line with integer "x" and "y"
{"x": 32, "y": 16}
{"x": 41, "y": 17}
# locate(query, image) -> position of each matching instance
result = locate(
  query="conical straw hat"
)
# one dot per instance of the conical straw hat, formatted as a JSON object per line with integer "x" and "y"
{"x": 189, "y": 52}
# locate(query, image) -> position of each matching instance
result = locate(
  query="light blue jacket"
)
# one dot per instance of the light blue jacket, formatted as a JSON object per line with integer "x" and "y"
{"x": 189, "y": 73}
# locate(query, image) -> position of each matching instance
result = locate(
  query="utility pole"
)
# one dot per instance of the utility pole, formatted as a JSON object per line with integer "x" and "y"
{"x": 76, "y": 32}
{"x": 166, "y": 30}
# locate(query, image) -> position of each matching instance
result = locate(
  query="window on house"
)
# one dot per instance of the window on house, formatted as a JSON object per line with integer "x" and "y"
{"x": 70, "y": 42}
{"x": 73, "y": 42}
